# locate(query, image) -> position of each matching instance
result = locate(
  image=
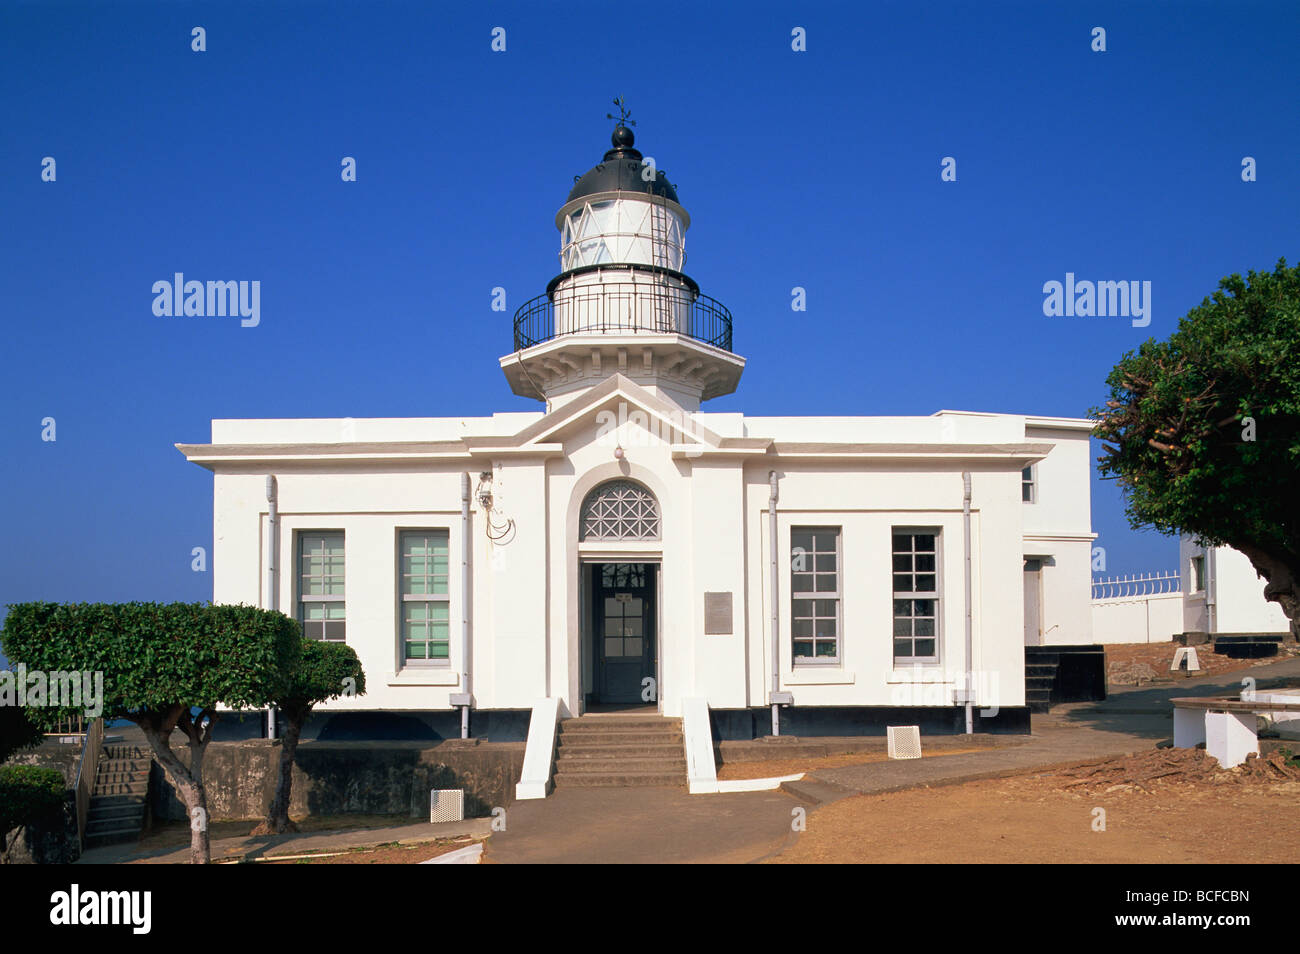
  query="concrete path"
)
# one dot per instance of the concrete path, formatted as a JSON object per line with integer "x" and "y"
{"x": 642, "y": 826}
{"x": 269, "y": 846}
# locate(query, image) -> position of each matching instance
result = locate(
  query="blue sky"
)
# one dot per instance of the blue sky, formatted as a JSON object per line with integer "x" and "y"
{"x": 818, "y": 169}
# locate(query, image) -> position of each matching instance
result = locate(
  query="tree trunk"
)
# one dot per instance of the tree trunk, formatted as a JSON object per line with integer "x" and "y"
{"x": 187, "y": 781}
{"x": 1280, "y": 586}
{"x": 277, "y": 816}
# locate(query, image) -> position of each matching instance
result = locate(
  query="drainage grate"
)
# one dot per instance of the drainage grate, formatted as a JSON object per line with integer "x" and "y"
{"x": 446, "y": 804}
{"x": 904, "y": 741}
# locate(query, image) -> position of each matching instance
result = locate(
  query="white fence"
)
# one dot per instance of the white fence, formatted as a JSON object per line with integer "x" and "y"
{"x": 1139, "y": 608}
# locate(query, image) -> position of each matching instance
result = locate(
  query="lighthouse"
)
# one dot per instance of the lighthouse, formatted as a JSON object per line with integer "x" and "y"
{"x": 622, "y": 302}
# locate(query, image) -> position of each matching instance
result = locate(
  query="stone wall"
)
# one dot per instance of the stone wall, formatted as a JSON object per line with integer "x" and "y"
{"x": 331, "y": 778}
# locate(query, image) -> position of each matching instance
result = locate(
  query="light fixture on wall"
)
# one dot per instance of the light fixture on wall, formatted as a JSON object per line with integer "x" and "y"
{"x": 484, "y": 491}
{"x": 618, "y": 452}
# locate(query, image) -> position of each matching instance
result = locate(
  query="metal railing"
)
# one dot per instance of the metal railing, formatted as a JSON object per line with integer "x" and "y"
{"x": 86, "y": 768}
{"x": 1139, "y": 584}
{"x": 621, "y": 308}
{"x": 73, "y": 725}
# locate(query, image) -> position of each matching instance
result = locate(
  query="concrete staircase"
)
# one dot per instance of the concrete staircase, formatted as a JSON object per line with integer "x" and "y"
{"x": 1040, "y": 675}
{"x": 620, "y": 750}
{"x": 120, "y": 797}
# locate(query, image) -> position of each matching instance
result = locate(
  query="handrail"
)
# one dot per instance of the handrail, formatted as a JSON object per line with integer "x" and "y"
{"x": 1135, "y": 585}
{"x": 621, "y": 307}
{"x": 86, "y": 781}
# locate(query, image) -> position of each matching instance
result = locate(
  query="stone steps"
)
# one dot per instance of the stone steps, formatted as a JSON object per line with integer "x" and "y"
{"x": 618, "y": 751}
{"x": 120, "y": 796}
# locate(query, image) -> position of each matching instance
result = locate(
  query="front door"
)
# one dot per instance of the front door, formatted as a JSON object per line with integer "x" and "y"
{"x": 1033, "y": 602}
{"x": 624, "y": 628}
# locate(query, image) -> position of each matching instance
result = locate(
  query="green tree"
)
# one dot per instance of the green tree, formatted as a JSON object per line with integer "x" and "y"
{"x": 1203, "y": 430}
{"x": 28, "y": 794}
{"x": 165, "y": 667}
{"x": 324, "y": 671}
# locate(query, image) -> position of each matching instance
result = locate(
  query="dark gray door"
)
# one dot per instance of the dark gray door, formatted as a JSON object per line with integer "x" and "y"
{"x": 624, "y": 630}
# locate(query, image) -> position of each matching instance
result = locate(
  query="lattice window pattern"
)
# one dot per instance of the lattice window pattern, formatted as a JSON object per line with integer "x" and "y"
{"x": 620, "y": 510}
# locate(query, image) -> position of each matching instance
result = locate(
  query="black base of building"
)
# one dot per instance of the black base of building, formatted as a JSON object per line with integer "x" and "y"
{"x": 740, "y": 725}
{"x": 490, "y": 725}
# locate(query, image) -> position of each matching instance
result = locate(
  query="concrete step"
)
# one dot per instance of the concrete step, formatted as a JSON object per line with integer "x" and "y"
{"x": 140, "y": 787}
{"x": 99, "y": 812}
{"x": 620, "y": 766}
{"x": 113, "y": 801}
{"x": 598, "y": 750}
{"x": 623, "y": 738}
{"x": 619, "y": 779}
{"x": 128, "y": 752}
{"x": 1041, "y": 669}
{"x": 619, "y": 724}
{"x": 112, "y": 836}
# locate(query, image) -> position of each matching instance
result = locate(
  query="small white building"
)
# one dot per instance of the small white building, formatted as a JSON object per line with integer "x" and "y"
{"x": 1223, "y": 593}
{"x": 622, "y": 546}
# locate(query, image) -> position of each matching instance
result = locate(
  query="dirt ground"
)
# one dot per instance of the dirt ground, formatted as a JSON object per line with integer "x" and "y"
{"x": 1157, "y": 808}
{"x": 774, "y": 767}
{"x": 390, "y": 854}
{"x": 1159, "y": 656}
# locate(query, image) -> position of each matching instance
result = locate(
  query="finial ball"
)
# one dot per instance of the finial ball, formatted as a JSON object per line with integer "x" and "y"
{"x": 622, "y": 138}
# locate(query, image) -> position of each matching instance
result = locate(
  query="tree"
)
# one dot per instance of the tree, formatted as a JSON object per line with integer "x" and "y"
{"x": 164, "y": 666}
{"x": 1203, "y": 430}
{"x": 324, "y": 671}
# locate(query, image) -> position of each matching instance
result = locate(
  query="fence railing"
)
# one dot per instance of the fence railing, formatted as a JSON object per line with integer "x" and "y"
{"x": 86, "y": 769}
{"x": 73, "y": 725}
{"x": 623, "y": 307}
{"x": 1137, "y": 584}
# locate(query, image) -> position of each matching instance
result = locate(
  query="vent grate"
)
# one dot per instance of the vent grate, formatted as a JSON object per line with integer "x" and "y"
{"x": 446, "y": 805}
{"x": 904, "y": 741}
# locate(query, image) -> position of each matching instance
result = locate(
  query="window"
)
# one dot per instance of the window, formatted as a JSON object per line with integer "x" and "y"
{"x": 426, "y": 602}
{"x": 916, "y": 595}
{"x": 1028, "y": 488}
{"x": 1198, "y": 574}
{"x": 620, "y": 510}
{"x": 815, "y": 594}
{"x": 321, "y": 607}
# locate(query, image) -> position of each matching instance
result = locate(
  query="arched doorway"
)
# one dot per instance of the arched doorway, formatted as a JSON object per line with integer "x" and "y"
{"x": 623, "y": 611}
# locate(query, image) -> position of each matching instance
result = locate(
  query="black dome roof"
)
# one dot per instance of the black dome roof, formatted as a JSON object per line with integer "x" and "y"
{"x": 620, "y": 170}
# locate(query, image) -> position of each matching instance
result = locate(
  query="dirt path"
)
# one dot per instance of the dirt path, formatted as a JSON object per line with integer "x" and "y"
{"x": 1041, "y": 818}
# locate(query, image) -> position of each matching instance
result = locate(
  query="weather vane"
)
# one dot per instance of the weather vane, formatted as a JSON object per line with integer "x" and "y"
{"x": 623, "y": 111}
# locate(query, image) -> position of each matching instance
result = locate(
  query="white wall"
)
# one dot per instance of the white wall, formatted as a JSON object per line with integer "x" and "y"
{"x": 1155, "y": 618}
{"x": 1238, "y": 591}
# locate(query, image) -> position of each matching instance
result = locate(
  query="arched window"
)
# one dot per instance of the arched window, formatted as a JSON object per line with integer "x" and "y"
{"x": 619, "y": 510}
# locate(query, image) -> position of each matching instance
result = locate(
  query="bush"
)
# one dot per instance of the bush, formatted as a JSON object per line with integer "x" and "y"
{"x": 28, "y": 794}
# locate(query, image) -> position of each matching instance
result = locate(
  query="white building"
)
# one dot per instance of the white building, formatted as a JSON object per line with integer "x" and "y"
{"x": 1223, "y": 593}
{"x": 623, "y": 546}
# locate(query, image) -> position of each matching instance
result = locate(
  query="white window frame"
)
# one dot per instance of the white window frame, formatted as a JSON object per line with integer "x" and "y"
{"x": 936, "y": 595}
{"x": 1030, "y": 480}
{"x": 836, "y": 596}
{"x": 403, "y": 598}
{"x": 304, "y": 598}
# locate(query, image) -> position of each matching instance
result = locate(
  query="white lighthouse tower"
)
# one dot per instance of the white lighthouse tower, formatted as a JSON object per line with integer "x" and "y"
{"x": 622, "y": 302}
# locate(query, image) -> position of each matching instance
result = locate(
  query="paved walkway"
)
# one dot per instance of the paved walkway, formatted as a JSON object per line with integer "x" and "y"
{"x": 642, "y": 825}
{"x": 270, "y": 846}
